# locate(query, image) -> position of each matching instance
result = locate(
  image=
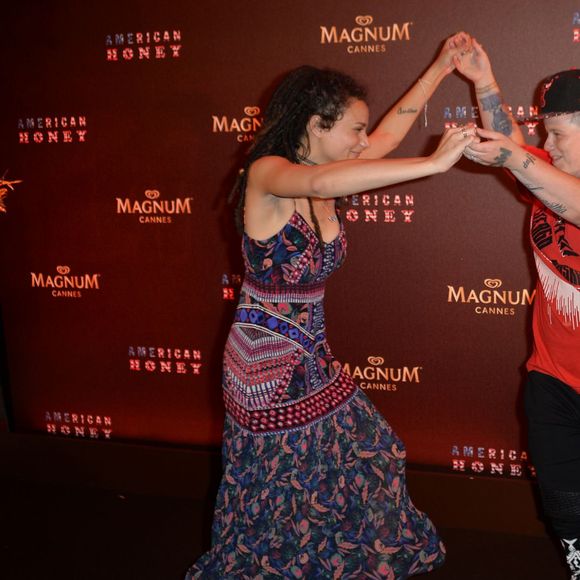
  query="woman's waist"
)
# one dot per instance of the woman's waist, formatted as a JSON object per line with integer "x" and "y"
{"x": 297, "y": 327}
{"x": 265, "y": 292}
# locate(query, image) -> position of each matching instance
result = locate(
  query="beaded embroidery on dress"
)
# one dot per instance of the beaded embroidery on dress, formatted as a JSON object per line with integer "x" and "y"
{"x": 314, "y": 477}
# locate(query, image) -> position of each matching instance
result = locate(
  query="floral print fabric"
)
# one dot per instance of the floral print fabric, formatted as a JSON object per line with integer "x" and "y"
{"x": 323, "y": 497}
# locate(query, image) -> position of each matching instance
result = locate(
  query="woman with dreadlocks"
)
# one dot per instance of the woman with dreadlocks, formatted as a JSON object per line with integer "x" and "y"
{"x": 314, "y": 477}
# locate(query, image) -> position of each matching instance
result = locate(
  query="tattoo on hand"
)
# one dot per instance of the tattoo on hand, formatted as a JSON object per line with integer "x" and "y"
{"x": 502, "y": 157}
{"x": 401, "y": 111}
{"x": 501, "y": 120}
{"x": 558, "y": 208}
{"x": 530, "y": 159}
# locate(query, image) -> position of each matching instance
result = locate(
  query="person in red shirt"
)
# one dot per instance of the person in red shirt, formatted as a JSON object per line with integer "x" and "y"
{"x": 551, "y": 180}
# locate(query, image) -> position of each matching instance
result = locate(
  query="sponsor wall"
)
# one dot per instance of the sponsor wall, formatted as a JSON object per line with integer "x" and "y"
{"x": 120, "y": 263}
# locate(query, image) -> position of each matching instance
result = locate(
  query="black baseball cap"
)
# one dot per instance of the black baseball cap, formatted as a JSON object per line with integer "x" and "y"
{"x": 560, "y": 94}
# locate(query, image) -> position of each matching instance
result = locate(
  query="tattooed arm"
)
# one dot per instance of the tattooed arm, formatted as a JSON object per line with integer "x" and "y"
{"x": 557, "y": 190}
{"x": 494, "y": 113}
{"x": 395, "y": 125}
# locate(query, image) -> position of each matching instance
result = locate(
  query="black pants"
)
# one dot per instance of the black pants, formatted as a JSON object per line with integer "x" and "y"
{"x": 553, "y": 410}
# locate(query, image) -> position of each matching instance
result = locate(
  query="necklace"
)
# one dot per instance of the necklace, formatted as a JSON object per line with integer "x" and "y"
{"x": 331, "y": 215}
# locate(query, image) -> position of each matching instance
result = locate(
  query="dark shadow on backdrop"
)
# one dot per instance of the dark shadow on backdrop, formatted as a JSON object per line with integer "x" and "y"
{"x": 6, "y": 420}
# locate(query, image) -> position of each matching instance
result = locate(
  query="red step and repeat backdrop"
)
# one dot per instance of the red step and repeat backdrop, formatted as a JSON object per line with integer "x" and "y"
{"x": 126, "y": 122}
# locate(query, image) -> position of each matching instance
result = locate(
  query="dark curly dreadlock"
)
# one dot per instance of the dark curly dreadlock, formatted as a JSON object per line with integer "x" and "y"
{"x": 304, "y": 92}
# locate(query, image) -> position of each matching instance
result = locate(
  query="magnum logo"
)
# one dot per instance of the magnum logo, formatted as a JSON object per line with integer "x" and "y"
{"x": 143, "y": 45}
{"x": 244, "y": 127}
{"x": 64, "y": 284}
{"x": 152, "y": 209}
{"x": 375, "y": 376}
{"x": 381, "y": 207}
{"x": 364, "y": 38}
{"x": 491, "y": 299}
{"x": 50, "y": 130}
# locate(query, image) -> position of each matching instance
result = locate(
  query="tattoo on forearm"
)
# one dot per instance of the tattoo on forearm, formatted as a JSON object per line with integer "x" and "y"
{"x": 401, "y": 111}
{"x": 529, "y": 160}
{"x": 502, "y": 157}
{"x": 558, "y": 208}
{"x": 529, "y": 185}
{"x": 492, "y": 102}
{"x": 501, "y": 120}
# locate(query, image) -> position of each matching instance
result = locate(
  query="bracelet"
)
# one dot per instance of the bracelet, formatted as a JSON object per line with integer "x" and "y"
{"x": 486, "y": 88}
{"x": 421, "y": 82}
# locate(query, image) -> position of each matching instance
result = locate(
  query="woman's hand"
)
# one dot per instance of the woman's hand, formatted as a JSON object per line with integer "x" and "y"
{"x": 452, "y": 145}
{"x": 473, "y": 64}
{"x": 453, "y": 47}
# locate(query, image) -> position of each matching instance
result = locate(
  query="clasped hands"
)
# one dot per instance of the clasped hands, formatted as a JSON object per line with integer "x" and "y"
{"x": 489, "y": 147}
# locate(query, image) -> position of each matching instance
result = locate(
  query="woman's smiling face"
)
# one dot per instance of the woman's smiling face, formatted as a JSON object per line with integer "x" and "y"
{"x": 347, "y": 138}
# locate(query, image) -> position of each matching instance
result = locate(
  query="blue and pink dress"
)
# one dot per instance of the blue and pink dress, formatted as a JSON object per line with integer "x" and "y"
{"x": 314, "y": 477}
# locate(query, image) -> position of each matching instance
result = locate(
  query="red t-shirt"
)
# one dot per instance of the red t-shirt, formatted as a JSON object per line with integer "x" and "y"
{"x": 556, "y": 322}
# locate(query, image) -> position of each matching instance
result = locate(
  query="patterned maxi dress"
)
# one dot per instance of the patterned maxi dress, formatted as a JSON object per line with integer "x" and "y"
{"x": 314, "y": 477}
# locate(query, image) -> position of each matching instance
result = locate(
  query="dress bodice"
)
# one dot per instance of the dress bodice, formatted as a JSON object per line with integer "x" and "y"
{"x": 284, "y": 281}
{"x": 277, "y": 354}
{"x": 293, "y": 255}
